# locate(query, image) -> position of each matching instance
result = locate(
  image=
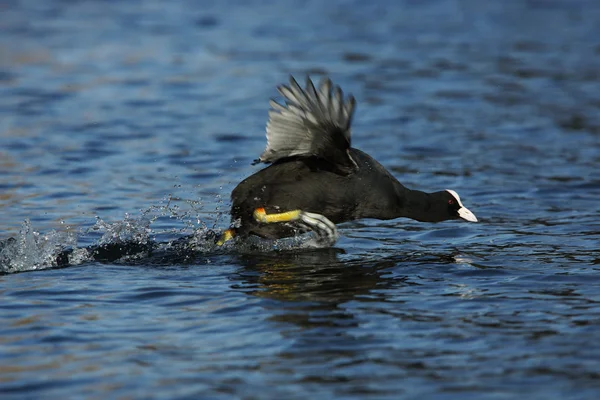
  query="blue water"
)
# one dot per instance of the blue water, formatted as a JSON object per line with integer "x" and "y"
{"x": 131, "y": 122}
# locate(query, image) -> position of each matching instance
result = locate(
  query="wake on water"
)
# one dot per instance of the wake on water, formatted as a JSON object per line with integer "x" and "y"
{"x": 132, "y": 241}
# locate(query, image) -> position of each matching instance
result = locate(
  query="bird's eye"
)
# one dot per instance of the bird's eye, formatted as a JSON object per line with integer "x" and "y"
{"x": 450, "y": 201}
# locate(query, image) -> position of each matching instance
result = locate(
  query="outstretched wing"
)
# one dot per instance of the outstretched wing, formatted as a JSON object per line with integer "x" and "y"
{"x": 311, "y": 123}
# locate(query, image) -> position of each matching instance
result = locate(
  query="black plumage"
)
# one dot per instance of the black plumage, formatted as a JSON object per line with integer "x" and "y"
{"x": 315, "y": 169}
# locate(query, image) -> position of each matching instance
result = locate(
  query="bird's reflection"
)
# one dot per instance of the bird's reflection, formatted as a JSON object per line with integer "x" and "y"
{"x": 313, "y": 285}
{"x": 327, "y": 305}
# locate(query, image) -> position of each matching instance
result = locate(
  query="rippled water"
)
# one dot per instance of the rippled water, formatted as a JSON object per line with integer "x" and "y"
{"x": 125, "y": 125}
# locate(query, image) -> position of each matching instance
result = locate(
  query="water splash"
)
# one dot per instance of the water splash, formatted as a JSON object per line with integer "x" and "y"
{"x": 181, "y": 229}
{"x": 190, "y": 214}
{"x": 31, "y": 250}
{"x": 254, "y": 244}
{"x": 133, "y": 239}
{"x": 135, "y": 230}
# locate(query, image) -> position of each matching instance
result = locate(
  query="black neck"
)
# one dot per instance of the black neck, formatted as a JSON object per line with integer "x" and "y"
{"x": 420, "y": 206}
{"x": 387, "y": 198}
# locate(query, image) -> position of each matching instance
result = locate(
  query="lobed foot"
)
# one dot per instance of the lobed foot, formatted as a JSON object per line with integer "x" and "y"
{"x": 226, "y": 236}
{"x": 319, "y": 224}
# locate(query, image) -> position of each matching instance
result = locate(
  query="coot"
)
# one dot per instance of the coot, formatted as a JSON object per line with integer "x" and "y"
{"x": 316, "y": 179}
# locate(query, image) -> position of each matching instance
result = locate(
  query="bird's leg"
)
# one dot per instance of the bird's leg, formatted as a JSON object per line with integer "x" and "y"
{"x": 324, "y": 229}
{"x": 226, "y": 236}
{"x": 261, "y": 216}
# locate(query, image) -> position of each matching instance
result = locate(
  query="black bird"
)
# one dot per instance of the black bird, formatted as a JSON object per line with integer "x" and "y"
{"x": 317, "y": 180}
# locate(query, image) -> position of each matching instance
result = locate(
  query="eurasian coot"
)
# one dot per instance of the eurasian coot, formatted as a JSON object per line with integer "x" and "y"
{"x": 317, "y": 180}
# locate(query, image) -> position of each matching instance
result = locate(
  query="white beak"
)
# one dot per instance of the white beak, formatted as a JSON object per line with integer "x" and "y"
{"x": 466, "y": 214}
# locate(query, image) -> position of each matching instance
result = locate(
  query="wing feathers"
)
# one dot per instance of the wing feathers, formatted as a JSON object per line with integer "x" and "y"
{"x": 313, "y": 122}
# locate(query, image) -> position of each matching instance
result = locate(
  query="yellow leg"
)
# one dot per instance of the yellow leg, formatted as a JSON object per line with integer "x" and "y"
{"x": 226, "y": 236}
{"x": 323, "y": 228}
{"x": 261, "y": 216}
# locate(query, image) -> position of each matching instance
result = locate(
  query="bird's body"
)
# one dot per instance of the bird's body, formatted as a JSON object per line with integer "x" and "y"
{"x": 317, "y": 179}
{"x": 305, "y": 183}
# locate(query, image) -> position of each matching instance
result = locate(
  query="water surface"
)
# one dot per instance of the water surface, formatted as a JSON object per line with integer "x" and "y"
{"x": 131, "y": 122}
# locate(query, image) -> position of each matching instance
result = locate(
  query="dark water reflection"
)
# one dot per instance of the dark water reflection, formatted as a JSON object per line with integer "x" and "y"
{"x": 128, "y": 124}
{"x": 366, "y": 323}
